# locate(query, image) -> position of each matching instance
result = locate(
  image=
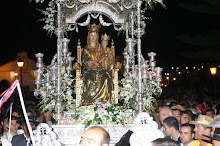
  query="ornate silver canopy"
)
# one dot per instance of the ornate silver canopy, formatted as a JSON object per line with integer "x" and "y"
{"x": 117, "y": 11}
{"x": 124, "y": 15}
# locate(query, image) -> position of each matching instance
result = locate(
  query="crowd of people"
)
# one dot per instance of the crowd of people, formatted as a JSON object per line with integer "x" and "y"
{"x": 196, "y": 124}
{"x": 186, "y": 120}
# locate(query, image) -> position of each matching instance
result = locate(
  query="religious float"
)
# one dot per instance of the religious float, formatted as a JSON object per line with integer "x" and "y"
{"x": 86, "y": 90}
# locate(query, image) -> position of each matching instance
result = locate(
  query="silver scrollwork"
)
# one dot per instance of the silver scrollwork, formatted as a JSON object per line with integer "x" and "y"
{"x": 113, "y": 1}
{"x": 103, "y": 22}
{"x": 86, "y": 22}
{"x": 84, "y": 1}
{"x": 94, "y": 15}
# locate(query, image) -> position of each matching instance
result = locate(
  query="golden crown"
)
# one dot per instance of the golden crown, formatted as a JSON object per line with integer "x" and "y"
{"x": 105, "y": 37}
{"x": 93, "y": 27}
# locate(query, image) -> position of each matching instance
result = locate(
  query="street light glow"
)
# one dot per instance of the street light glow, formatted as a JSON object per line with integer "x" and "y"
{"x": 213, "y": 70}
{"x": 20, "y": 63}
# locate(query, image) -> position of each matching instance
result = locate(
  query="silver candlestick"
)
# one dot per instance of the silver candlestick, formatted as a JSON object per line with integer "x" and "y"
{"x": 55, "y": 76}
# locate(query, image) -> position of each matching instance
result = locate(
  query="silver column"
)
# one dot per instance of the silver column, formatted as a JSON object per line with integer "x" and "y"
{"x": 140, "y": 100}
{"x": 58, "y": 106}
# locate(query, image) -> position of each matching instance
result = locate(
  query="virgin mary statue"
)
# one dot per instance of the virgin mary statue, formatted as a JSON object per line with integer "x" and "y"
{"x": 97, "y": 82}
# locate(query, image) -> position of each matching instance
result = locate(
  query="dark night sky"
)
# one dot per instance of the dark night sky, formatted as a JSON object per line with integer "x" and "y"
{"x": 167, "y": 34}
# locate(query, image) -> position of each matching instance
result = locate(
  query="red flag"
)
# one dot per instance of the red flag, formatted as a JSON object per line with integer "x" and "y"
{"x": 7, "y": 93}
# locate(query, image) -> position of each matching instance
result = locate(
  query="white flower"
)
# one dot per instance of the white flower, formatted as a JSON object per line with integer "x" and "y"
{"x": 101, "y": 112}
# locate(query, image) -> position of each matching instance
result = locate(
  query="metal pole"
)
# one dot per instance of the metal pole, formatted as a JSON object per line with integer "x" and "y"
{"x": 214, "y": 87}
{"x": 140, "y": 101}
{"x": 21, "y": 76}
{"x": 132, "y": 36}
{"x": 59, "y": 46}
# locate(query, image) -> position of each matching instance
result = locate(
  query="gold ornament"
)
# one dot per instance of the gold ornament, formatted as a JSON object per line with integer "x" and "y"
{"x": 105, "y": 37}
{"x": 93, "y": 27}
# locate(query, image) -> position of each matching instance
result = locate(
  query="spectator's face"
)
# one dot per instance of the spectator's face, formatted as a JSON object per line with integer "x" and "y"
{"x": 14, "y": 126}
{"x": 190, "y": 118}
{"x": 200, "y": 131}
{"x": 184, "y": 119}
{"x": 185, "y": 135}
{"x": 15, "y": 114}
{"x": 164, "y": 113}
{"x": 167, "y": 130}
{"x": 204, "y": 104}
{"x": 91, "y": 138}
{"x": 177, "y": 115}
{"x": 5, "y": 125}
{"x": 25, "y": 128}
{"x": 210, "y": 114}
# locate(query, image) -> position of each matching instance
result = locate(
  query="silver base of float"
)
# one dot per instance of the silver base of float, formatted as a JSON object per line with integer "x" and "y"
{"x": 70, "y": 135}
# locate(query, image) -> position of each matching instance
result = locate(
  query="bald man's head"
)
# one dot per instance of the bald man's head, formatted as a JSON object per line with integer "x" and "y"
{"x": 95, "y": 136}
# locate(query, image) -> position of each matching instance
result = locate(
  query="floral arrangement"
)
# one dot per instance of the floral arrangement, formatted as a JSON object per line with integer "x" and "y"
{"x": 98, "y": 113}
{"x": 128, "y": 93}
{"x": 47, "y": 94}
{"x": 49, "y": 17}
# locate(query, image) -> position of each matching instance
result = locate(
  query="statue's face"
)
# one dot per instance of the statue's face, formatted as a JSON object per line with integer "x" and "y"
{"x": 93, "y": 37}
{"x": 104, "y": 44}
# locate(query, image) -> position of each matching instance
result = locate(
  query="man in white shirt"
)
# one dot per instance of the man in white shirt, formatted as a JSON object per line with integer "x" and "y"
{"x": 186, "y": 134}
{"x": 171, "y": 128}
{"x": 13, "y": 129}
{"x": 4, "y": 142}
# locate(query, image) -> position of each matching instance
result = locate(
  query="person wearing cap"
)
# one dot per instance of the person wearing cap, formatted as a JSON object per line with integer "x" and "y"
{"x": 201, "y": 129}
{"x": 213, "y": 125}
{"x": 177, "y": 112}
{"x": 215, "y": 133}
{"x": 217, "y": 118}
{"x": 24, "y": 139}
{"x": 215, "y": 137}
{"x": 193, "y": 114}
{"x": 198, "y": 108}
